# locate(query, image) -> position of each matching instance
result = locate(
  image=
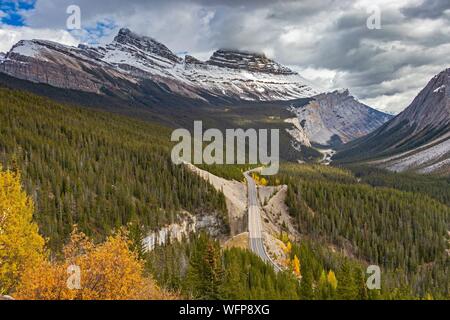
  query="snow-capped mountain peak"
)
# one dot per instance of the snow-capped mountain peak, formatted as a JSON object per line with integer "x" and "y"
{"x": 128, "y": 38}
{"x": 242, "y": 60}
{"x": 227, "y": 74}
{"x": 248, "y": 76}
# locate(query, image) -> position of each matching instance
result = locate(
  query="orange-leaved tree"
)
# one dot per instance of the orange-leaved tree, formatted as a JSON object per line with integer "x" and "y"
{"x": 108, "y": 271}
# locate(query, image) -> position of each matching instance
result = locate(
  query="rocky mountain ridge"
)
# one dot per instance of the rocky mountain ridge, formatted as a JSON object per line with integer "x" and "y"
{"x": 130, "y": 60}
{"x": 418, "y": 139}
{"x": 334, "y": 118}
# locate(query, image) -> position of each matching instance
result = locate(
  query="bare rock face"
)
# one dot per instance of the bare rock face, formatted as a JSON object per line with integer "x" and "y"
{"x": 242, "y": 60}
{"x": 57, "y": 65}
{"x": 190, "y": 60}
{"x": 337, "y": 117}
{"x": 298, "y": 134}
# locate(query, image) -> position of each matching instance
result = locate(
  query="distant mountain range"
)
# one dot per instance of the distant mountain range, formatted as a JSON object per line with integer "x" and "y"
{"x": 142, "y": 70}
{"x": 139, "y": 76}
{"x": 418, "y": 139}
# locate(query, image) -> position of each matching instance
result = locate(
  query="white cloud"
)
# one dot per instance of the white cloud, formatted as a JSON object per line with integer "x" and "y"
{"x": 321, "y": 78}
{"x": 11, "y": 35}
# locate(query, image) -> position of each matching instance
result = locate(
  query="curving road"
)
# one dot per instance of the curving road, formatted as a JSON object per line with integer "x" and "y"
{"x": 255, "y": 229}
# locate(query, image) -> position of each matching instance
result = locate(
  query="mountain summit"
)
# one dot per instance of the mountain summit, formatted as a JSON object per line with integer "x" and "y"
{"x": 431, "y": 107}
{"x": 417, "y": 139}
{"x": 243, "y": 60}
{"x": 333, "y": 118}
{"x": 147, "y": 44}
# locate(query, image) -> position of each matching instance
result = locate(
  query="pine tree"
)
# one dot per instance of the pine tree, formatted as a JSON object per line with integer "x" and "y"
{"x": 306, "y": 286}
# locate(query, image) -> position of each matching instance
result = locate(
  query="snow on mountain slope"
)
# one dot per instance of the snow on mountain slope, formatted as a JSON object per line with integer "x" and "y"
{"x": 131, "y": 59}
{"x": 423, "y": 160}
{"x": 60, "y": 66}
{"x": 138, "y": 55}
{"x": 242, "y": 60}
{"x": 248, "y": 84}
{"x": 337, "y": 117}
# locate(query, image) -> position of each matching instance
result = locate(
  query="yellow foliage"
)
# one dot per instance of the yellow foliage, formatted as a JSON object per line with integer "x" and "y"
{"x": 20, "y": 242}
{"x": 296, "y": 265}
{"x": 109, "y": 271}
{"x": 263, "y": 182}
{"x": 288, "y": 248}
{"x": 331, "y": 278}
{"x": 259, "y": 180}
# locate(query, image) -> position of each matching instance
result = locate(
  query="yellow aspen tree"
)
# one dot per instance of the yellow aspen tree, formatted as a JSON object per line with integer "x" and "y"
{"x": 288, "y": 248}
{"x": 331, "y": 278}
{"x": 264, "y": 182}
{"x": 20, "y": 242}
{"x": 296, "y": 265}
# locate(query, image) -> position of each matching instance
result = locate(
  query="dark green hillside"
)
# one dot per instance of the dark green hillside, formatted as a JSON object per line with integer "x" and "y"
{"x": 176, "y": 112}
{"x": 95, "y": 169}
{"x": 400, "y": 231}
{"x": 434, "y": 186}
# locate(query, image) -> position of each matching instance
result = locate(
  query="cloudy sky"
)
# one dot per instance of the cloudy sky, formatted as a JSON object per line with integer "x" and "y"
{"x": 327, "y": 41}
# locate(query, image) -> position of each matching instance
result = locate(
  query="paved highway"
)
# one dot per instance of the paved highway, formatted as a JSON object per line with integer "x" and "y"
{"x": 255, "y": 229}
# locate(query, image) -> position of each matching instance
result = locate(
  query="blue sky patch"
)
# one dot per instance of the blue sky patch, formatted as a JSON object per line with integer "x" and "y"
{"x": 11, "y": 11}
